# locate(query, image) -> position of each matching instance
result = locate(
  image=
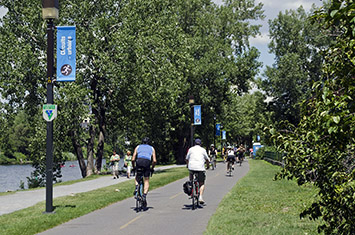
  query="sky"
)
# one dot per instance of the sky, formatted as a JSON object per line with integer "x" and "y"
{"x": 271, "y": 10}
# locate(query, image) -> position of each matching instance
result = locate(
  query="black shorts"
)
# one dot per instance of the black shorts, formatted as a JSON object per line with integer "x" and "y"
{"x": 201, "y": 175}
{"x": 231, "y": 159}
{"x": 145, "y": 165}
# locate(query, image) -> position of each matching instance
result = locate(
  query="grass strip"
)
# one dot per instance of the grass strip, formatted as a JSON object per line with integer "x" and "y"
{"x": 260, "y": 205}
{"x": 32, "y": 220}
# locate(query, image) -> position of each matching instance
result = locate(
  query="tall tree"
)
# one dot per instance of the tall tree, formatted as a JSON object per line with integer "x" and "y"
{"x": 297, "y": 44}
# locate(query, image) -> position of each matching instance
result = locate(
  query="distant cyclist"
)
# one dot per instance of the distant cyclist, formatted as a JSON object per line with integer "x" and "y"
{"x": 196, "y": 158}
{"x": 230, "y": 158}
{"x": 241, "y": 151}
{"x": 212, "y": 152}
{"x": 144, "y": 157}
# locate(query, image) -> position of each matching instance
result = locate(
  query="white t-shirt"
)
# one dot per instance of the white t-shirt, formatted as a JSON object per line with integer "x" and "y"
{"x": 197, "y": 157}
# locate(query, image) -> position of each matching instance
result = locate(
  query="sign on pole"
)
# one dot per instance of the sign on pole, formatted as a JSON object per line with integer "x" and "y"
{"x": 49, "y": 112}
{"x": 66, "y": 53}
{"x": 224, "y": 135}
{"x": 197, "y": 115}
{"x": 218, "y": 129}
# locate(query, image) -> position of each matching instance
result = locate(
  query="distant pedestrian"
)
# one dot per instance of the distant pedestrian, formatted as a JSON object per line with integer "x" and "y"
{"x": 114, "y": 160}
{"x": 128, "y": 163}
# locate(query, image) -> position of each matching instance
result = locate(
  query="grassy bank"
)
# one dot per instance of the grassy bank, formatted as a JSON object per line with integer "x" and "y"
{"x": 32, "y": 220}
{"x": 260, "y": 205}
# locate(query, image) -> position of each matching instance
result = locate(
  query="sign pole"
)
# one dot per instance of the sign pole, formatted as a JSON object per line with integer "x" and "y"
{"x": 49, "y": 143}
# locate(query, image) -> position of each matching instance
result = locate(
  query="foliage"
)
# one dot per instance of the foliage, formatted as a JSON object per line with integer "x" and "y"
{"x": 245, "y": 116}
{"x": 137, "y": 63}
{"x": 321, "y": 149}
{"x": 298, "y": 44}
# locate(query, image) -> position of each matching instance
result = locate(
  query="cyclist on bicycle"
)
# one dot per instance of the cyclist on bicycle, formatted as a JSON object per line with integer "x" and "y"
{"x": 143, "y": 157}
{"x": 230, "y": 158}
{"x": 196, "y": 158}
{"x": 212, "y": 152}
{"x": 241, "y": 151}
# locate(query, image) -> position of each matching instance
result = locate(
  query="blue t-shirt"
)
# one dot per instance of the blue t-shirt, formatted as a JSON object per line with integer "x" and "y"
{"x": 145, "y": 151}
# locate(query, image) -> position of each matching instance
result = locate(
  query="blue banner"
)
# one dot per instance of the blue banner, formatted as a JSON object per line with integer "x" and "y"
{"x": 218, "y": 129}
{"x": 197, "y": 115}
{"x": 66, "y": 53}
{"x": 224, "y": 135}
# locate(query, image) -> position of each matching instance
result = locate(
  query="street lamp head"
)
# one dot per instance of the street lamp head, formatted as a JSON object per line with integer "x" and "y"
{"x": 50, "y": 9}
{"x": 191, "y": 99}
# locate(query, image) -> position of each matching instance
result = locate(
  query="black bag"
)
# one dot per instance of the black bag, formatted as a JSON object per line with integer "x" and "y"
{"x": 187, "y": 187}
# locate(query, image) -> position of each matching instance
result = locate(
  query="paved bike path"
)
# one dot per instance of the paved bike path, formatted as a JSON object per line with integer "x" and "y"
{"x": 169, "y": 210}
{"x": 23, "y": 199}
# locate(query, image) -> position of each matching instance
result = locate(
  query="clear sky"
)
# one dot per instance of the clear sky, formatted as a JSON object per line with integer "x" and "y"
{"x": 271, "y": 8}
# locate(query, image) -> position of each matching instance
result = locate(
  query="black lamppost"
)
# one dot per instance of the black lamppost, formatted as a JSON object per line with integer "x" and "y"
{"x": 214, "y": 130}
{"x": 50, "y": 10}
{"x": 191, "y": 103}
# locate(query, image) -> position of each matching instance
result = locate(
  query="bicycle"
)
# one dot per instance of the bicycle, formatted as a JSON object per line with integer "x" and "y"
{"x": 230, "y": 166}
{"x": 141, "y": 203}
{"x": 195, "y": 194}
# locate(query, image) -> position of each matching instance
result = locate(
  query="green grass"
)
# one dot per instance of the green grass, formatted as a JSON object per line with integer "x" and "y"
{"x": 32, "y": 220}
{"x": 260, "y": 205}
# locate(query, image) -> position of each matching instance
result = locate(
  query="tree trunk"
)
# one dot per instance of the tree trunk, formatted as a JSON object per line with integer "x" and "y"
{"x": 90, "y": 151}
{"x": 100, "y": 152}
{"x": 79, "y": 153}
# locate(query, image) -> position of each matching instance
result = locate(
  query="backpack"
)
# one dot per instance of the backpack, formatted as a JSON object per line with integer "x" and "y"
{"x": 187, "y": 187}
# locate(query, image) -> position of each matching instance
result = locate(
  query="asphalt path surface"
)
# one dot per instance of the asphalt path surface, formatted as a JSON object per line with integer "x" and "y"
{"x": 169, "y": 210}
{"x": 23, "y": 199}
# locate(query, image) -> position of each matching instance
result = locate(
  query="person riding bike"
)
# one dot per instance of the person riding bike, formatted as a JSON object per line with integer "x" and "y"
{"x": 143, "y": 157}
{"x": 241, "y": 151}
{"x": 196, "y": 158}
{"x": 230, "y": 158}
{"x": 212, "y": 152}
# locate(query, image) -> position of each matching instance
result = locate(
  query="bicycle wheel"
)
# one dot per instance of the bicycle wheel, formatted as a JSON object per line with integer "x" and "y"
{"x": 193, "y": 195}
{"x": 139, "y": 198}
{"x": 197, "y": 186}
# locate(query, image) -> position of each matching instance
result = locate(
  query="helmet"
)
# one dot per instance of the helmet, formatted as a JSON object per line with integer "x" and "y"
{"x": 212, "y": 145}
{"x": 145, "y": 140}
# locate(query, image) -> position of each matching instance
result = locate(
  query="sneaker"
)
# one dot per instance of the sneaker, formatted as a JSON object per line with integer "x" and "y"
{"x": 200, "y": 200}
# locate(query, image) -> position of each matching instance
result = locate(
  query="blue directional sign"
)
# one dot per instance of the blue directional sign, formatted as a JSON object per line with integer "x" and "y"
{"x": 197, "y": 115}
{"x": 224, "y": 135}
{"x": 218, "y": 129}
{"x": 66, "y": 53}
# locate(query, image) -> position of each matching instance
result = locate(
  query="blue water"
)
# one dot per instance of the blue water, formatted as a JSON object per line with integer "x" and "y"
{"x": 12, "y": 175}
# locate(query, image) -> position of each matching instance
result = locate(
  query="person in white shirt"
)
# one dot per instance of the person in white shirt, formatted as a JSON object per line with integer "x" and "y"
{"x": 196, "y": 158}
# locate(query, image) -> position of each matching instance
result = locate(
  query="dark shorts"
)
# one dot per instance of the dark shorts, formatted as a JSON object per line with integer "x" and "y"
{"x": 231, "y": 159}
{"x": 201, "y": 175}
{"x": 145, "y": 165}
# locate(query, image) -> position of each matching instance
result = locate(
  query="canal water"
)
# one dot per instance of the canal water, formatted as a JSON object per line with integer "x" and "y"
{"x": 12, "y": 175}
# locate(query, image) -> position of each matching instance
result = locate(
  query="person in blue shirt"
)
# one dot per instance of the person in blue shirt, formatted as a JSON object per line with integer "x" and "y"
{"x": 144, "y": 157}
